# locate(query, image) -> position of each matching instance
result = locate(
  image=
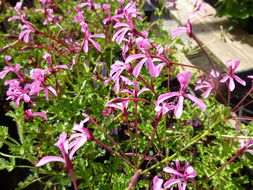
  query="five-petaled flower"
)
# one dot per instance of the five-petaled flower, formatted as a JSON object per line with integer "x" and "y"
{"x": 232, "y": 66}
{"x": 183, "y": 79}
{"x": 208, "y": 85}
{"x": 180, "y": 175}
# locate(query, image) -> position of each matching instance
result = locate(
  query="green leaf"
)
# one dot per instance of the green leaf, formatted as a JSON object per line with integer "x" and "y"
{"x": 8, "y": 165}
{"x": 3, "y": 132}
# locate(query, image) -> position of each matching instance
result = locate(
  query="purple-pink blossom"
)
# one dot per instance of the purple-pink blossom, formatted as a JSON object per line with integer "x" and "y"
{"x": 185, "y": 29}
{"x": 180, "y": 175}
{"x": 245, "y": 145}
{"x": 16, "y": 92}
{"x": 80, "y": 138}
{"x": 68, "y": 146}
{"x": 10, "y": 68}
{"x": 183, "y": 78}
{"x": 208, "y": 85}
{"x": 63, "y": 145}
{"x": 88, "y": 38}
{"x": 232, "y": 66}
{"x": 146, "y": 58}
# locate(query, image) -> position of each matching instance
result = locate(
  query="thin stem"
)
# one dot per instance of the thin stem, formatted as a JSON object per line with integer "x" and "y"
{"x": 245, "y": 105}
{"x": 248, "y": 93}
{"x": 113, "y": 142}
{"x": 52, "y": 38}
{"x": 204, "y": 51}
{"x": 108, "y": 148}
{"x": 136, "y": 129}
{"x": 9, "y": 156}
{"x": 155, "y": 124}
{"x": 71, "y": 173}
{"x": 244, "y": 118}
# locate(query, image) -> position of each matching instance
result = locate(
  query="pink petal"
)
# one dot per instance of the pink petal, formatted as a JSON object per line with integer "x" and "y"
{"x": 197, "y": 101}
{"x": 138, "y": 67}
{"x": 231, "y": 84}
{"x": 184, "y": 78}
{"x": 171, "y": 182}
{"x": 179, "y": 107}
{"x": 151, "y": 68}
{"x": 207, "y": 92}
{"x": 178, "y": 31}
{"x": 40, "y": 114}
{"x": 97, "y": 36}
{"x": 61, "y": 67}
{"x": 238, "y": 79}
{"x": 191, "y": 172}
{"x": 166, "y": 96}
{"x": 52, "y": 90}
{"x": 133, "y": 57}
{"x": 95, "y": 44}
{"x": 3, "y": 73}
{"x": 116, "y": 86}
{"x": 121, "y": 36}
{"x": 172, "y": 171}
{"x": 225, "y": 78}
{"x": 79, "y": 143}
{"x": 47, "y": 159}
{"x": 142, "y": 90}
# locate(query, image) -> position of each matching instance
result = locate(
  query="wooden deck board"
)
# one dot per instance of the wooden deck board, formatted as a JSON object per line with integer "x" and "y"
{"x": 208, "y": 29}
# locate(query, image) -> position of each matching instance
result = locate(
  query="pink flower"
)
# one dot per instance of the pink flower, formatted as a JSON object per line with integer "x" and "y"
{"x": 115, "y": 104}
{"x": 180, "y": 175}
{"x": 120, "y": 34}
{"x": 88, "y": 38}
{"x": 187, "y": 29}
{"x": 29, "y": 115}
{"x": 183, "y": 79}
{"x": 63, "y": 145}
{"x": 115, "y": 75}
{"x": 146, "y": 59}
{"x": 25, "y": 33}
{"x": 38, "y": 75}
{"x": 245, "y": 145}
{"x": 16, "y": 92}
{"x": 27, "y": 28}
{"x": 209, "y": 86}
{"x": 232, "y": 66}
{"x": 80, "y": 138}
{"x": 10, "y": 68}
{"x": 52, "y": 69}
{"x": 164, "y": 108}
{"x": 110, "y": 18}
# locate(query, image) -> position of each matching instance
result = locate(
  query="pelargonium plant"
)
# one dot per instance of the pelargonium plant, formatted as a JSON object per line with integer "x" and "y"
{"x": 142, "y": 118}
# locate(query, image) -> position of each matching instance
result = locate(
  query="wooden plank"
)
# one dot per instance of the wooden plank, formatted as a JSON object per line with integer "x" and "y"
{"x": 209, "y": 30}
